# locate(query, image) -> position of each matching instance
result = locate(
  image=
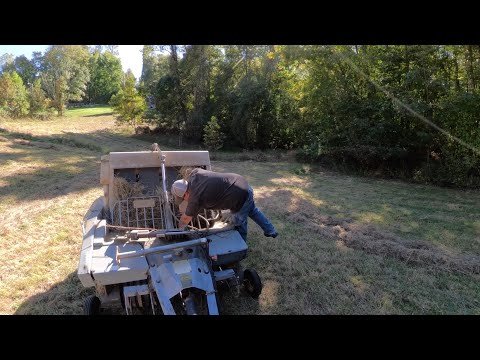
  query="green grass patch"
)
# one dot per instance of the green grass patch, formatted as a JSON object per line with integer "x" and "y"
{"x": 100, "y": 110}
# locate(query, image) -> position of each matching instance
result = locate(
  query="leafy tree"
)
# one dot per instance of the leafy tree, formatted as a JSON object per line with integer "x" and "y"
{"x": 96, "y": 49}
{"x": 26, "y": 69}
{"x": 112, "y": 49}
{"x": 128, "y": 106}
{"x": 13, "y": 96}
{"x": 171, "y": 99}
{"x": 37, "y": 99}
{"x": 7, "y": 63}
{"x": 213, "y": 137}
{"x": 65, "y": 74}
{"x": 398, "y": 110}
{"x": 166, "y": 102}
{"x": 155, "y": 66}
{"x": 105, "y": 77}
{"x": 37, "y": 60}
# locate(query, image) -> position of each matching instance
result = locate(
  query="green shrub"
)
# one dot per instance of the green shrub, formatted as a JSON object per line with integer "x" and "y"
{"x": 213, "y": 137}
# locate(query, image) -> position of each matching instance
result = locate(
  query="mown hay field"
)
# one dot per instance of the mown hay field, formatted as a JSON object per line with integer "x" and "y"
{"x": 347, "y": 245}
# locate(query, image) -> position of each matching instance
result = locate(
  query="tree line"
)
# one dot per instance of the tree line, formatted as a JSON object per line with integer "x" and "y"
{"x": 62, "y": 75}
{"x": 409, "y": 111}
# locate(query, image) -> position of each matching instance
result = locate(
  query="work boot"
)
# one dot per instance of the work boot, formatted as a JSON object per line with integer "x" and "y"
{"x": 273, "y": 235}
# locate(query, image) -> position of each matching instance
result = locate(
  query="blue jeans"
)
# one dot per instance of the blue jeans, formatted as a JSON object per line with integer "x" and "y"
{"x": 240, "y": 218}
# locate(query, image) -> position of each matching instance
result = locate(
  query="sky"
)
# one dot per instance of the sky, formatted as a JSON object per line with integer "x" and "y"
{"x": 130, "y": 55}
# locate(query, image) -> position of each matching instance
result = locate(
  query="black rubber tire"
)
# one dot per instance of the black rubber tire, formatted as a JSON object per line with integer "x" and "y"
{"x": 252, "y": 283}
{"x": 91, "y": 305}
{"x": 190, "y": 305}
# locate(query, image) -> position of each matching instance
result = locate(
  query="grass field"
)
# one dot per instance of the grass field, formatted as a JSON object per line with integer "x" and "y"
{"x": 347, "y": 245}
{"x": 89, "y": 112}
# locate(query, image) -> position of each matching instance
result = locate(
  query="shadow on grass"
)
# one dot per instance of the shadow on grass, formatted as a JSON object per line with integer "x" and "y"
{"x": 67, "y": 298}
{"x": 69, "y": 161}
{"x": 63, "y": 298}
{"x": 101, "y": 141}
{"x": 312, "y": 208}
{"x": 415, "y": 276}
{"x": 98, "y": 115}
{"x": 66, "y": 172}
{"x": 323, "y": 265}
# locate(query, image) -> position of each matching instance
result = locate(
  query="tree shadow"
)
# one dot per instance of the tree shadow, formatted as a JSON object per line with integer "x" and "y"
{"x": 97, "y": 115}
{"x": 330, "y": 259}
{"x": 67, "y": 298}
{"x": 232, "y": 302}
{"x": 63, "y": 172}
{"x": 58, "y": 164}
{"x": 321, "y": 264}
{"x": 63, "y": 298}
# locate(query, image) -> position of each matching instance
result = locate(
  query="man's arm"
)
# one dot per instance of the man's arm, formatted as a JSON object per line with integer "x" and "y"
{"x": 184, "y": 220}
{"x": 192, "y": 208}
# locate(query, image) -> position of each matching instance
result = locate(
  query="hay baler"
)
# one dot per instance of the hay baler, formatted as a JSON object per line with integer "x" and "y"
{"x": 137, "y": 258}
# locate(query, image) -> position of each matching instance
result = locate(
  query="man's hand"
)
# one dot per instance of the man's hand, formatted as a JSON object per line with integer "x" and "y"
{"x": 227, "y": 217}
{"x": 184, "y": 221}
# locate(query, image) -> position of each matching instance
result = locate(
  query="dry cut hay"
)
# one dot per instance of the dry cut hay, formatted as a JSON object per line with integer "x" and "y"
{"x": 122, "y": 189}
{"x": 185, "y": 171}
{"x": 370, "y": 240}
{"x": 127, "y": 214}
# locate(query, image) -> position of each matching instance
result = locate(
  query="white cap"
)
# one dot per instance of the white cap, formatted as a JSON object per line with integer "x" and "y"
{"x": 178, "y": 190}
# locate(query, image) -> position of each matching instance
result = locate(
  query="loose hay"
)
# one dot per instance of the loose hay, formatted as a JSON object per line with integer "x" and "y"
{"x": 122, "y": 189}
{"x": 185, "y": 171}
{"x": 135, "y": 217}
{"x": 370, "y": 240}
{"x": 367, "y": 238}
